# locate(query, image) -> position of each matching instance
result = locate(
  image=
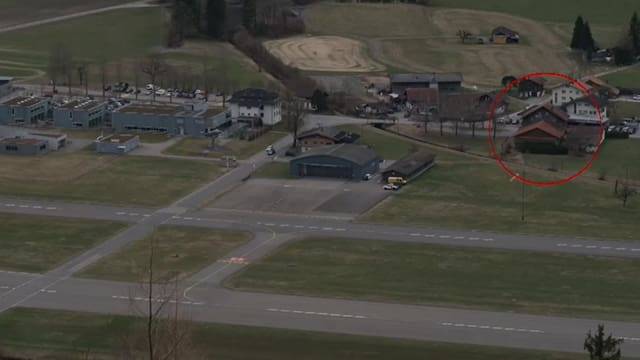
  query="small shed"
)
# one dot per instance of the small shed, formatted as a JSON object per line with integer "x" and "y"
{"x": 345, "y": 161}
{"x": 410, "y": 166}
{"x": 54, "y": 141}
{"x": 117, "y": 144}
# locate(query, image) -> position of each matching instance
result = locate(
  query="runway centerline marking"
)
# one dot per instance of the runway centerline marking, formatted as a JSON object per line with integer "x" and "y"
{"x": 489, "y": 327}
{"x": 335, "y": 315}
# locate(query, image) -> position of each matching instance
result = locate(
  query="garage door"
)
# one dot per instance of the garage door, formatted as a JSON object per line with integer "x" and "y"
{"x": 316, "y": 170}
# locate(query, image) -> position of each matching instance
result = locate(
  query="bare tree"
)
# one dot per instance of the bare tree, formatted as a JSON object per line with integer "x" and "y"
{"x": 293, "y": 113}
{"x": 625, "y": 191}
{"x": 103, "y": 76}
{"x": 59, "y": 64}
{"x": 164, "y": 336}
{"x": 463, "y": 35}
{"x": 153, "y": 67}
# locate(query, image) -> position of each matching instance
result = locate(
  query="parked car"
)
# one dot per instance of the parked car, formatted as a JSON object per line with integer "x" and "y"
{"x": 391, "y": 187}
{"x": 149, "y": 87}
{"x": 160, "y": 92}
{"x": 270, "y": 150}
{"x": 636, "y": 97}
{"x": 366, "y": 176}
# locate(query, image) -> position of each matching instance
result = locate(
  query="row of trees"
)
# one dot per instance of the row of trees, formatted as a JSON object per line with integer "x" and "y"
{"x": 190, "y": 18}
{"x": 624, "y": 53}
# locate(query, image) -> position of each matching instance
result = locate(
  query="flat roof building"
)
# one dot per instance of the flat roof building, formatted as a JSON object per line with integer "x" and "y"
{"x": 346, "y": 161}
{"x": 192, "y": 119}
{"x": 23, "y": 110}
{"x": 79, "y": 114}
{"x": 54, "y": 141}
{"x": 23, "y": 146}
{"x": 117, "y": 144}
{"x": 443, "y": 82}
{"x": 410, "y": 166}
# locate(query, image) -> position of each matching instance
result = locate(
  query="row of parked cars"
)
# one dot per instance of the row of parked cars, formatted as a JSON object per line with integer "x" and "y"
{"x": 180, "y": 93}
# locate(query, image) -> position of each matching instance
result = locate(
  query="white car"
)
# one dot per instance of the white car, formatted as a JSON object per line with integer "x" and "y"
{"x": 149, "y": 87}
{"x": 270, "y": 150}
{"x": 391, "y": 187}
{"x": 160, "y": 92}
{"x": 636, "y": 97}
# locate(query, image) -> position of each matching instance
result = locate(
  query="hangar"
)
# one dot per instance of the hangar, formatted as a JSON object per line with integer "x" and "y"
{"x": 344, "y": 161}
{"x": 410, "y": 166}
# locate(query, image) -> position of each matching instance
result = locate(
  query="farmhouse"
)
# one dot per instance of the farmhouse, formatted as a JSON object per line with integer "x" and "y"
{"x": 565, "y": 93}
{"x": 541, "y": 137}
{"x": 532, "y": 87}
{"x": 256, "y": 106}
{"x": 23, "y": 110}
{"x": 323, "y": 136}
{"x": 504, "y": 35}
{"x": 345, "y": 161}
{"x": 547, "y": 112}
{"x": 191, "y": 119}
{"x": 79, "y": 114}
{"x": 602, "y": 87}
{"x": 23, "y": 146}
{"x": 117, "y": 144}
{"x": 410, "y": 166}
{"x": 6, "y": 85}
{"x": 443, "y": 82}
{"x": 583, "y": 111}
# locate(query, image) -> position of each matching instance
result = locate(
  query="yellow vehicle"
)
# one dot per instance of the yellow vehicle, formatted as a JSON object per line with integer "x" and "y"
{"x": 396, "y": 180}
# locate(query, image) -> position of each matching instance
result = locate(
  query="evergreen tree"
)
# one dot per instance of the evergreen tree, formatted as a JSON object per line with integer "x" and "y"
{"x": 588, "y": 43}
{"x": 249, "y": 14}
{"x": 578, "y": 30}
{"x": 634, "y": 33}
{"x": 216, "y": 17}
{"x": 601, "y": 347}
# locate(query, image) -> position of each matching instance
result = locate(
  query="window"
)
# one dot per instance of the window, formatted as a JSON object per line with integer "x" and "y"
{"x": 261, "y": 115}
{"x": 11, "y": 148}
{"x": 70, "y": 114}
{"x": 13, "y": 111}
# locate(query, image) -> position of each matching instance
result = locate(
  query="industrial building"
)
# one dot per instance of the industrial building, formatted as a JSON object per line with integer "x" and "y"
{"x": 79, "y": 114}
{"x": 23, "y": 146}
{"x": 6, "y": 85}
{"x": 192, "y": 119}
{"x": 54, "y": 141}
{"x": 257, "y": 107}
{"x": 346, "y": 161}
{"x": 443, "y": 82}
{"x": 23, "y": 110}
{"x": 410, "y": 166}
{"x": 117, "y": 144}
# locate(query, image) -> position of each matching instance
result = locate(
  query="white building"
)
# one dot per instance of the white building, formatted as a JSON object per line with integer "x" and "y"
{"x": 582, "y": 110}
{"x": 256, "y": 106}
{"x": 566, "y": 93}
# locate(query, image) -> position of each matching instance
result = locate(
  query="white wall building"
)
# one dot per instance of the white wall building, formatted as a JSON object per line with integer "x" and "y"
{"x": 566, "y": 93}
{"x": 259, "y": 106}
{"x": 582, "y": 111}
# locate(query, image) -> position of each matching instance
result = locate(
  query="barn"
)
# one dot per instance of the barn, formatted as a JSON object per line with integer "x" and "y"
{"x": 343, "y": 161}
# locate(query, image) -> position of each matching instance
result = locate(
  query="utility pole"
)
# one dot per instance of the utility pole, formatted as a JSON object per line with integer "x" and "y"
{"x": 522, "y": 180}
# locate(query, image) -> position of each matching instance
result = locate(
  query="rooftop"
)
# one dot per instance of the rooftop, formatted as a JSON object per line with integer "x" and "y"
{"x": 151, "y": 109}
{"x": 254, "y": 97}
{"x": 543, "y": 126}
{"x": 23, "y": 101}
{"x": 411, "y": 163}
{"x": 118, "y": 138}
{"x": 556, "y": 111}
{"x": 600, "y": 101}
{"x": 51, "y": 135}
{"x": 81, "y": 105}
{"x": 426, "y": 77}
{"x": 211, "y": 112}
{"x": 358, "y": 154}
{"x": 21, "y": 141}
{"x": 504, "y": 30}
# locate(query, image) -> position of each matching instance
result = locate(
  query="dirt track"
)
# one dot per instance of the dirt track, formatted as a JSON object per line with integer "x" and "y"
{"x": 323, "y": 53}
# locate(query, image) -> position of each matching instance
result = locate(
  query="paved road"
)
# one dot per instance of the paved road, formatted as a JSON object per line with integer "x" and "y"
{"x": 214, "y": 304}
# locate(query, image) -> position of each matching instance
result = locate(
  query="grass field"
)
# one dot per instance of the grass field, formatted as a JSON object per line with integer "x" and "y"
{"x": 38, "y": 243}
{"x": 30, "y": 48}
{"x": 478, "y": 195}
{"x": 628, "y": 109}
{"x": 273, "y": 170}
{"x": 626, "y": 78}
{"x": 478, "y": 144}
{"x": 179, "y": 251}
{"x": 102, "y": 35}
{"x": 130, "y": 180}
{"x": 21, "y": 11}
{"x": 16, "y": 72}
{"x": 92, "y": 134}
{"x": 536, "y": 283}
{"x": 553, "y": 11}
{"x": 241, "y": 149}
{"x": 616, "y": 159}
{"x": 67, "y": 335}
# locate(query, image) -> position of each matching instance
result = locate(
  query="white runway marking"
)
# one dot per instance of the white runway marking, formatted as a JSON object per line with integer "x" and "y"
{"x": 489, "y": 327}
{"x": 629, "y": 338}
{"x": 48, "y": 291}
{"x": 349, "y": 316}
{"x": 139, "y": 298}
